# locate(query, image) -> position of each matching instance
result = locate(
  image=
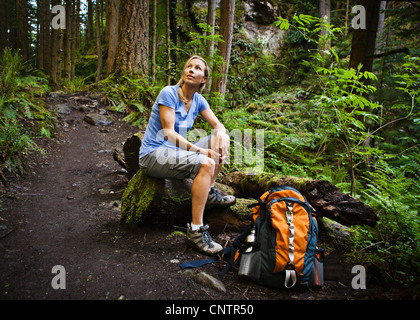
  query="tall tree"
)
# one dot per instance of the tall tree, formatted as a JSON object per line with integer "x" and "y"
{"x": 227, "y": 15}
{"x": 43, "y": 55}
{"x": 98, "y": 42}
{"x": 56, "y": 53}
{"x": 153, "y": 43}
{"x": 77, "y": 23}
{"x": 364, "y": 39}
{"x": 380, "y": 34}
{"x": 133, "y": 39}
{"x": 325, "y": 15}
{"x": 66, "y": 41}
{"x": 113, "y": 9}
{"x": 75, "y": 27}
{"x": 3, "y": 26}
{"x": 211, "y": 21}
{"x": 168, "y": 41}
{"x": 22, "y": 28}
{"x": 89, "y": 32}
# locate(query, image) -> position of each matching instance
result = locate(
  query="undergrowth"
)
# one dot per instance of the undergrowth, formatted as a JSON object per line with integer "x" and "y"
{"x": 23, "y": 113}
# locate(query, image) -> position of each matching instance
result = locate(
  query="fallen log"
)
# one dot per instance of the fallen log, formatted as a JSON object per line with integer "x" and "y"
{"x": 169, "y": 201}
{"x": 327, "y": 199}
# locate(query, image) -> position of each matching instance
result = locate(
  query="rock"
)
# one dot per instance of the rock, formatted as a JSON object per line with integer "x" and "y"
{"x": 261, "y": 12}
{"x": 63, "y": 108}
{"x": 258, "y": 26}
{"x": 156, "y": 200}
{"x": 98, "y": 119}
{"x": 210, "y": 282}
{"x": 269, "y": 38}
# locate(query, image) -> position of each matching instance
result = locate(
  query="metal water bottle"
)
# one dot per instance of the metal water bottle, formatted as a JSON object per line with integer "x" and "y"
{"x": 250, "y": 240}
{"x": 250, "y": 259}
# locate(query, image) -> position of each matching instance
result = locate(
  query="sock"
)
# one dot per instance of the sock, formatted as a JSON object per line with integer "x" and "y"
{"x": 195, "y": 227}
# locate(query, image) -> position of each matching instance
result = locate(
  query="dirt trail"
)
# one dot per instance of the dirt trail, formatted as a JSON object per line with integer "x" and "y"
{"x": 65, "y": 211}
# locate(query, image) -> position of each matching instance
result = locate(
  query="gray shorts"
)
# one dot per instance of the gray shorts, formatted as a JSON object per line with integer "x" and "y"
{"x": 166, "y": 163}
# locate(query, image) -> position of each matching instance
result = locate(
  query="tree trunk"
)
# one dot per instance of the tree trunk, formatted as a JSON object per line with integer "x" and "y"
{"x": 22, "y": 28}
{"x": 133, "y": 42}
{"x": 56, "y": 56}
{"x": 98, "y": 42}
{"x": 168, "y": 42}
{"x": 89, "y": 32}
{"x": 227, "y": 15}
{"x": 324, "y": 14}
{"x": 44, "y": 34}
{"x": 3, "y": 27}
{"x": 211, "y": 21}
{"x": 74, "y": 37}
{"x": 112, "y": 33}
{"x": 153, "y": 43}
{"x": 380, "y": 33}
{"x": 363, "y": 40}
{"x": 77, "y": 22}
{"x": 67, "y": 42}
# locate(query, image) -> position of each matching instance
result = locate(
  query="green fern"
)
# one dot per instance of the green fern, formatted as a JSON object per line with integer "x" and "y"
{"x": 22, "y": 115}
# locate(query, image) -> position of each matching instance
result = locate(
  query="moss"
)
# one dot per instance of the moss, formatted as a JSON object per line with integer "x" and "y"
{"x": 137, "y": 197}
{"x": 241, "y": 210}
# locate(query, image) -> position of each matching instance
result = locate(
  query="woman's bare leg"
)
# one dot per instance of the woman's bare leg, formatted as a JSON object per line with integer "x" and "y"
{"x": 200, "y": 190}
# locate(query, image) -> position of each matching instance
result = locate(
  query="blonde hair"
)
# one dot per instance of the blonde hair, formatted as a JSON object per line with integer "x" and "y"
{"x": 181, "y": 80}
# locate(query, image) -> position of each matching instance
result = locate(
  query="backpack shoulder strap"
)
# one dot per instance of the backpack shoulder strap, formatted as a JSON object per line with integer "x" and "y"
{"x": 227, "y": 253}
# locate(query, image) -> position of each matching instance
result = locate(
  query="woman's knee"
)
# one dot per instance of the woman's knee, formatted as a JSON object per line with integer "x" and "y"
{"x": 207, "y": 166}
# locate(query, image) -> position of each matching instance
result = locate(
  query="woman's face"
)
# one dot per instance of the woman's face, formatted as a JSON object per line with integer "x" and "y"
{"x": 194, "y": 72}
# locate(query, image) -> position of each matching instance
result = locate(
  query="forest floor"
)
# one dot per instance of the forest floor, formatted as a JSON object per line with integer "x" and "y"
{"x": 65, "y": 211}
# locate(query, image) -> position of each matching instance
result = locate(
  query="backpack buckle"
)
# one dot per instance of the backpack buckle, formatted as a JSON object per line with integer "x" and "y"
{"x": 289, "y": 266}
{"x": 289, "y": 216}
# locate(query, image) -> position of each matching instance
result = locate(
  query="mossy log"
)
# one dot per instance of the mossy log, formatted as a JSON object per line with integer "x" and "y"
{"x": 169, "y": 201}
{"x": 327, "y": 199}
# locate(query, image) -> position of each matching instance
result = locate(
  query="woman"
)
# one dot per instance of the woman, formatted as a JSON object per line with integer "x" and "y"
{"x": 166, "y": 153}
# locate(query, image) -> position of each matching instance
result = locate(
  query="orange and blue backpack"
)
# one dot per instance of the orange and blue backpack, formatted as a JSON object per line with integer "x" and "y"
{"x": 280, "y": 247}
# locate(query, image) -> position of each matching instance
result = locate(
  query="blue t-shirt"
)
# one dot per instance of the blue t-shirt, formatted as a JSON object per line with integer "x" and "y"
{"x": 168, "y": 96}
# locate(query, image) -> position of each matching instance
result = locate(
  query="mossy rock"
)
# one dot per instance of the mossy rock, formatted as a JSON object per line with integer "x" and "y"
{"x": 138, "y": 197}
{"x": 165, "y": 201}
{"x": 156, "y": 200}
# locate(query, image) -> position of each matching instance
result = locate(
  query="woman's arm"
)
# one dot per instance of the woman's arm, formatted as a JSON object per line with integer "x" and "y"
{"x": 167, "y": 118}
{"x": 221, "y": 139}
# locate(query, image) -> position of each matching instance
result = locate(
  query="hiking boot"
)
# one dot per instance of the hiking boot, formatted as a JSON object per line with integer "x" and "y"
{"x": 202, "y": 240}
{"x": 215, "y": 199}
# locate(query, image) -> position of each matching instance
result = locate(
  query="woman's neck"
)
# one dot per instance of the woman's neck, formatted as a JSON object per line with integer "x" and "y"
{"x": 188, "y": 92}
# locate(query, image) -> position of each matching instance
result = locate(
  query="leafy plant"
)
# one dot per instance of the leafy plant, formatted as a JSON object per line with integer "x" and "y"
{"x": 23, "y": 116}
{"x": 393, "y": 246}
{"x": 130, "y": 95}
{"x": 348, "y": 116}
